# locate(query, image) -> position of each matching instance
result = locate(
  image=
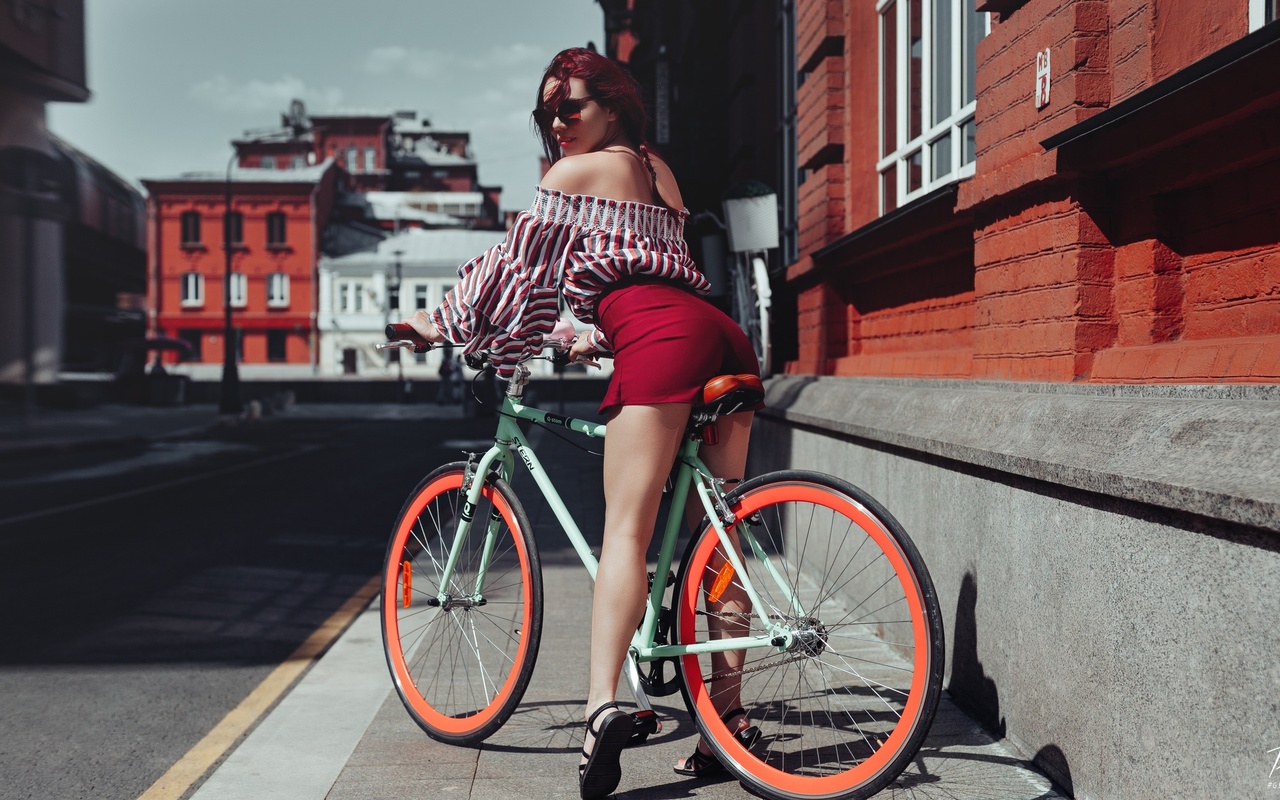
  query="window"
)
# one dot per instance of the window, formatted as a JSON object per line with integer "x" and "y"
{"x": 351, "y": 297}
{"x": 268, "y": 162}
{"x": 276, "y": 229}
{"x": 194, "y": 338}
{"x": 928, "y": 66}
{"x": 190, "y": 228}
{"x": 234, "y": 232}
{"x": 192, "y": 289}
{"x": 353, "y": 162}
{"x": 297, "y": 162}
{"x": 239, "y": 290}
{"x": 277, "y": 345}
{"x": 370, "y": 159}
{"x": 421, "y": 296}
{"x": 277, "y": 290}
{"x": 1263, "y": 12}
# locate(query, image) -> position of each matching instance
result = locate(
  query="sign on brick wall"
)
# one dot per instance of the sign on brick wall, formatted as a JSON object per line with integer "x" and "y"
{"x": 1042, "y": 78}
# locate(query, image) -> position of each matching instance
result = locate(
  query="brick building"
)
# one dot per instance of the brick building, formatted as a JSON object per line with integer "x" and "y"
{"x": 276, "y": 221}
{"x": 1034, "y": 247}
{"x": 1117, "y": 230}
{"x": 316, "y": 187}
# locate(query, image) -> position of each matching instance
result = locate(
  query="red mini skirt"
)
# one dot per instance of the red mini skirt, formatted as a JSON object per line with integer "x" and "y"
{"x": 667, "y": 343}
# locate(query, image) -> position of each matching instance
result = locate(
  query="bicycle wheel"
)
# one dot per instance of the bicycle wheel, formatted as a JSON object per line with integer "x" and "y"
{"x": 842, "y": 705}
{"x": 461, "y": 666}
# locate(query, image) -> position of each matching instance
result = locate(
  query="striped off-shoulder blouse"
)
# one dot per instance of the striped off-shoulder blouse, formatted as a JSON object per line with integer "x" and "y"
{"x": 569, "y": 247}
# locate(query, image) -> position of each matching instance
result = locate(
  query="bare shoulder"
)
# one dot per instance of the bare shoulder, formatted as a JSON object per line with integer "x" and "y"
{"x": 584, "y": 173}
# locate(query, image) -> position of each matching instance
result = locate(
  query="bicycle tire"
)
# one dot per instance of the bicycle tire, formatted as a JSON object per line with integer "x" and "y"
{"x": 462, "y": 669}
{"x": 843, "y": 710}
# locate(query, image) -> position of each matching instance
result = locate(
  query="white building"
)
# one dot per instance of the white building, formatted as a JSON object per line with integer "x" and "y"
{"x": 357, "y": 300}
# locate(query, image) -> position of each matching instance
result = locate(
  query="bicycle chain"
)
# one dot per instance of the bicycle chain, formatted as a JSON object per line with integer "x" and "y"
{"x": 762, "y": 667}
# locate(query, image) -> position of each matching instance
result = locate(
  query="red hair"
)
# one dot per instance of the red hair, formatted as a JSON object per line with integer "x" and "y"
{"x": 607, "y": 81}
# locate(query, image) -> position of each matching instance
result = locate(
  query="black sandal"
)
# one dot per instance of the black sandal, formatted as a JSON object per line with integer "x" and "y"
{"x": 700, "y": 764}
{"x": 602, "y": 773}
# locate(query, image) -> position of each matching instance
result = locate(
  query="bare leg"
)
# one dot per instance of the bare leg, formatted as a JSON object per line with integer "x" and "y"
{"x": 638, "y": 454}
{"x": 727, "y": 459}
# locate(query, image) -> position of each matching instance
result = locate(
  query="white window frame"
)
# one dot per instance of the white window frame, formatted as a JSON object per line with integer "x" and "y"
{"x": 421, "y": 296}
{"x": 370, "y": 159}
{"x": 192, "y": 290}
{"x": 268, "y": 162}
{"x": 298, "y": 162}
{"x": 953, "y": 125}
{"x": 239, "y": 290}
{"x": 1259, "y": 11}
{"x": 353, "y": 159}
{"x": 277, "y": 290}
{"x": 350, "y": 297}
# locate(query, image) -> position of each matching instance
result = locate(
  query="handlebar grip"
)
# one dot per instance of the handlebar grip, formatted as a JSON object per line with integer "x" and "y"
{"x": 399, "y": 330}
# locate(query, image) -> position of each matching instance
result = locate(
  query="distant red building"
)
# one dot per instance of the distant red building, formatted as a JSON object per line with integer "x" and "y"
{"x": 327, "y": 184}
{"x": 276, "y": 221}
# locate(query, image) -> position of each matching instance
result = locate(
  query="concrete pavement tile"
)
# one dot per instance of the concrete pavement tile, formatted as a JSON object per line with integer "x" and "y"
{"x": 969, "y": 771}
{"x": 951, "y": 723}
{"x": 394, "y": 738}
{"x": 522, "y": 788}
{"x": 379, "y": 783}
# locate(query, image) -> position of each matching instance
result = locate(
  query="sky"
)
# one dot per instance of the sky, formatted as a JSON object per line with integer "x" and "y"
{"x": 174, "y": 81}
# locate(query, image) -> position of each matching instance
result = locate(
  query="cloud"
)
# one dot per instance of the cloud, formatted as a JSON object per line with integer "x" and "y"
{"x": 394, "y": 59}
{"x": 259, "y": 95}
{"x": 519, "y": 55}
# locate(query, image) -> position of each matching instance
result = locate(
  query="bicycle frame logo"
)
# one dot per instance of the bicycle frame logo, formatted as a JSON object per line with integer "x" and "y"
{"x": 1275, "y": 767}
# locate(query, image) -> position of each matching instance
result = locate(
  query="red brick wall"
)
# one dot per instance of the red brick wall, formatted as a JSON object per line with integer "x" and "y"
{"x": 1163, "y": 268}
{"x": 255, "y": 259}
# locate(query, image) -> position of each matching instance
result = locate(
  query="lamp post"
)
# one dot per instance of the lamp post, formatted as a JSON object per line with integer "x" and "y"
{"x": 393, "y": 302}
{"x": 230, "y": 397}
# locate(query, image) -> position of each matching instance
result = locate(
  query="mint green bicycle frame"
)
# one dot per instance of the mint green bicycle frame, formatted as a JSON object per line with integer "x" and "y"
{"x": 510, "y": 440}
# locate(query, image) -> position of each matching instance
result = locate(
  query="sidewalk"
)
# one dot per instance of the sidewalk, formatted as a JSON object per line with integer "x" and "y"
{"x": 342, "y": 734}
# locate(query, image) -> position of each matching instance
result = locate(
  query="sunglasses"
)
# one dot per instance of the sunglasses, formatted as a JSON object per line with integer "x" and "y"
{"x": 570, "y": 109}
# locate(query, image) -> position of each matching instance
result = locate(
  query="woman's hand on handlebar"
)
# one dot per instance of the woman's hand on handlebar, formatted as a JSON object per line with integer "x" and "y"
{"x": 421, "y": 322}
{"x": 582, "y": 350}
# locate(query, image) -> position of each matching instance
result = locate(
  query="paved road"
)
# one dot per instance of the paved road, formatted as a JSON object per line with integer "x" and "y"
{"x": 139, "y": 616}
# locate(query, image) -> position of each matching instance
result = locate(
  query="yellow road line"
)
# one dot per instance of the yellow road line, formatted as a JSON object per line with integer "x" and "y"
{"x": 192, "y": 766}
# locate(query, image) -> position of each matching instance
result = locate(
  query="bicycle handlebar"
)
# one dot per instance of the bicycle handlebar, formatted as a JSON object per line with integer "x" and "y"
{"x": 400, "y": 334}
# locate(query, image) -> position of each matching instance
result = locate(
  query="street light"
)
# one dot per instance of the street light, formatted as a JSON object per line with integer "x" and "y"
{"x": 393, "y": 301}
{"x": 230, "y": 398}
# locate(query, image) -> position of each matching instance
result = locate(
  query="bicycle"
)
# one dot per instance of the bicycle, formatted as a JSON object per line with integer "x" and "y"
{"x": 842, "y": 642}
{"x": 752, "y": 300}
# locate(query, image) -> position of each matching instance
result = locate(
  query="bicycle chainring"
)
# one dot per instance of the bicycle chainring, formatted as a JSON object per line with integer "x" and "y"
{"x": 653, "y": 674}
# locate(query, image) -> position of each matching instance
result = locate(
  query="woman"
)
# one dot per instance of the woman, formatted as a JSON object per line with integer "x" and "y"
{"x": 605, "y": 234}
